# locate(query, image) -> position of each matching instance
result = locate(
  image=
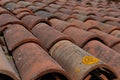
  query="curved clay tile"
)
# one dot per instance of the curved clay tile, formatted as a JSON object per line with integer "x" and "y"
{"x": 3, "y": 2}
{"x": 6, "y": 19}
{"x": 43, "y": 14}
{"x": 76, "y": 61}
{"x": 59, "y": 24}
{"x": 17, "y": 35}
{"x": 55, "y": 6}
{"x": 102, "y": 26}
{"x": 104, "y": 53}
{"x": 81, "y": 25}
{"x": 4, "y": 11}
{"x": 10, "y": 6}
{"x": 61, "y": 15}
{"x": 113, "y": 23}
{"x": 47, "y": 35}
{"x": 20, "y": 10}
{"x": 116, "y": 33}
{"x": 109, "y": 40}
{"x": 23, "y": 4}
{"x": 34, "y": 63}
{"x": 80, "y": 36}
{"x": 22, "y": 14}
{"x": 30, "y": 21}
{"x": 6, "y": 70}
{"x": 51, "y": 10}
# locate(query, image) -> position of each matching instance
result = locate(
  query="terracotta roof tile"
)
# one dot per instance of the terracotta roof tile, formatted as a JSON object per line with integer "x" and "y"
{"x": 9, "y": 20}
{"x": 107, "y": 39}
{"x": 40, "y": 5}
{"x": 33, "y": 8}
{"x": 20, "y": 10}
{"x": 7, "y": 72}
{"x": 113, "y": 23}
{"x": 116, "y": 33}
{"x": 44, "y": 14}
{"x": 22, "y": 4}
{"x": 30, "y": 21}
{"x": 80, "y": 36}
{"x": 92, "y": 25}
{"x": 104, "y": 53}
{"x": 10, "y": 5}
{"x": 55, "y": 6}
{"x": 34, "y": 63}
{"x": 62, "y": 15}
{"x": 3, "y": 11}
{"x": 52, "y": 10}
{"x": 51, "y": 37}
{"x": 59, "y": 24}
{"x": 20, "y": 36}
{"x": 68, "y": 54}
{"x": 22, "y": 14}
{"x": 103, "y": 27}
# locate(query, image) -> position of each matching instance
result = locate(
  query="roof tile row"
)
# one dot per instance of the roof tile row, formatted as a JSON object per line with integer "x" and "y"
{"x": 54, "y": 24}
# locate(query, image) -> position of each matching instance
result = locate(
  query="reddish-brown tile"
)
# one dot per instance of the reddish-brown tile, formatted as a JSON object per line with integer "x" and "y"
{"x": 103, "y": 27}
{"x": 108, "y": 39}
{"x": 116, "y": 33}
{"x": 55, "y": 6}
{"x": 83, "y": 18}
{"x": 51, "y": 10}
{"x": 3, "y": 2}
{"x": 116, "y": 47}
{"x": 65, "y": 10}
{"x": 80, "y": 36}
{"x": 113, "y": 23}
{"x": 88, "y": 77}
{"x": 48, "y": 1}
{"x": 59, "y": 24}
{"x": 81, "y": 25}
{"x": 4, "y": 11}
{"x": 109, "y": 18}
{"x": 81, "y": 12}
{"x": 30, "y": 21}
{"x": 104, "y": 53}
{"x": 34, "y": 63}
{"x": 76, "y": 61}
{"x": 103, "y": 77}
{"x": 47, "y": 35}
{"x": 20, "y": 10}
{"x": 93, "y": 17}
{"x": 17, "y": 35}
{"x": 114, "y": 14}
{"x": 6, "y": 70}
{"x": 22, "y": 14}
{"x": 33, "y": 0}
{"x": 8, "y": 19}
{"x": 62, "y": 15}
